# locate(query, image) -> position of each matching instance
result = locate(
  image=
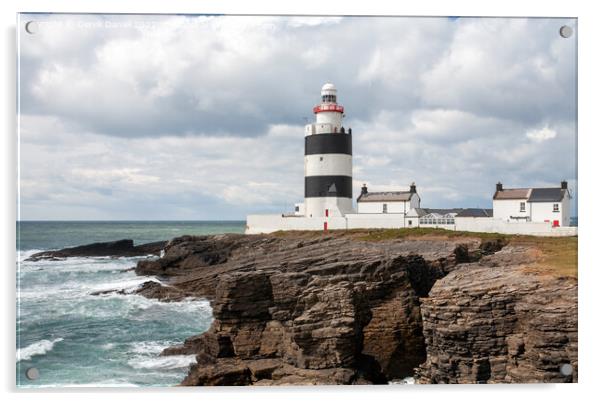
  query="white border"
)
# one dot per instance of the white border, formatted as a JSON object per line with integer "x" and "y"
{"x": 589, "y": 26}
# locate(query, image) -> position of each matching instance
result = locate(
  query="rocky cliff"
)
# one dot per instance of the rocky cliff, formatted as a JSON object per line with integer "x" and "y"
{"x": 344, "y": 308}
{"x": 492, "y": 322}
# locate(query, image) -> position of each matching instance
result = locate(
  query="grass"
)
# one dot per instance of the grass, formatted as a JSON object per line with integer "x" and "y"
{"x": 556, "y": 256}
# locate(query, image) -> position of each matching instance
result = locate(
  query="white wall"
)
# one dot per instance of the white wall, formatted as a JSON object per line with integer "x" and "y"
{"x": 358, "y": 220}
{"x": 542, "y": 211}
{"x": 538, "y": 212}
{"x": 267, "y": 223}
{"x": 301, "y": 211}
{"x": 565, "y": 209}
{"x": 377, "y": 207}
{"x": 503, "y": 209}
{"x": 492, "y": 225}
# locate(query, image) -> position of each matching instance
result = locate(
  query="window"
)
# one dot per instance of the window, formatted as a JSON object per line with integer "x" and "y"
{"x": 555, "y": 208}
{"x": 296, "y": 208}
{"x": 409, "y": 222}
{"x": 522, "y": 206}
{"x": 384, "y": 208}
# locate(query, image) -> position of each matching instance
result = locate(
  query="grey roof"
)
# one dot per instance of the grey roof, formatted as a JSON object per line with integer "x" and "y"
{"x": 547, "y": 194}
{"x": 475, "y": 212}
{"x": 421, "y": 212}
{"x": 385, "y": 196}
{"x": 532, "y": 194}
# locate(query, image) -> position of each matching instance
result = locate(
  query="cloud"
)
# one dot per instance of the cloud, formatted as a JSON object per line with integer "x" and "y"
{"x": 540, "y": 135}
{"x": 202, "y": 117}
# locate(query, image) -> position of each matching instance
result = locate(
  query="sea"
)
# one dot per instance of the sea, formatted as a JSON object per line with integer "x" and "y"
{"x": 68, "y": 337}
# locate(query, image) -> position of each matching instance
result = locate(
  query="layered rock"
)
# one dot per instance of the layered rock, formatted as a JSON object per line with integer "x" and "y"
{"x": 307, "y": 309}
{"x": 494, "y": 322}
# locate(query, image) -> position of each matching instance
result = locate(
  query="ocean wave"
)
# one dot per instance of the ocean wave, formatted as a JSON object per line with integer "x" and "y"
{"x": 24, "y": 254}
{"x": 39, "y": 348}
{"x": 151, "y": 347}
{"x": 122, "y": 285}
{"x": 163, "y": 362}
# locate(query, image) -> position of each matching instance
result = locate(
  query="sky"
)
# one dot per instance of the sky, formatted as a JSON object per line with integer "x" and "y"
{"x": 202, "y": 117}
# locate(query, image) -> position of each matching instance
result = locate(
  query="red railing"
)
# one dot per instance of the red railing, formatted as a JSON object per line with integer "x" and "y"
{"x": 328, "y": 107}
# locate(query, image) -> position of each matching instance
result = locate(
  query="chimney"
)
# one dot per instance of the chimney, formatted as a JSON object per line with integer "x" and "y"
{"x": 413, "y": 188}
{"x": 499, "y": 187}
{"x": 563, "y": 184}
{"x": 364, "y": 189}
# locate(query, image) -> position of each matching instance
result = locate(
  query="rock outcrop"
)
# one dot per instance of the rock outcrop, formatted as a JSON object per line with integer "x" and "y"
{"x": 494, "y": 322}
{"x": 124, "y": 247}
{"x": 307, "y": 308}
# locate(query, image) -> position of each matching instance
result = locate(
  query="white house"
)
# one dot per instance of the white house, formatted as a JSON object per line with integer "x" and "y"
{"x": 538, "y": 205}
{"x": 392, "y": 202}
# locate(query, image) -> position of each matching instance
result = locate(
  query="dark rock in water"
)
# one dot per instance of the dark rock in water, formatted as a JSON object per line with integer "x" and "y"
{"x": 124, "y": 247}
{"x": 154, "y": 290}
{"x": 313, "y": 308}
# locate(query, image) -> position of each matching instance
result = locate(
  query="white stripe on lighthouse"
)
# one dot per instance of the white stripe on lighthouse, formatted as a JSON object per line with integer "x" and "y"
{"x": 328, "y": 164}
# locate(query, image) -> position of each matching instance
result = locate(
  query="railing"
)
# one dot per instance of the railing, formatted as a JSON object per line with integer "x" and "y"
{"x": 328, "y": 107}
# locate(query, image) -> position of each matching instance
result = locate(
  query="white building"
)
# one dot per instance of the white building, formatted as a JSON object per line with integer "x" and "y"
{"x": 391, "y": 202}
{"x": 538, "y": 205}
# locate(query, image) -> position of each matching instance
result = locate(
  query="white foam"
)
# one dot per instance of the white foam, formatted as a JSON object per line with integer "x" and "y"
{"x": 163, "y": 362}
{"x": 22, "y": 255}
{"x": 40, "y": 348}
{"x": 151, "y": 347}
{"x": 125, "y": 285}
{"x": 405, "y": 380}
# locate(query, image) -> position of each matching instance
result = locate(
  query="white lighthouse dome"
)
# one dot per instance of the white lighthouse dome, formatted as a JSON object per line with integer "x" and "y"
{"x": 329, "y": 89}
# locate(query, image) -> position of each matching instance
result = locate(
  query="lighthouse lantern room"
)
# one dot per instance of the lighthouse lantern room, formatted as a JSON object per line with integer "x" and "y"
{"x": 328, "y": 164}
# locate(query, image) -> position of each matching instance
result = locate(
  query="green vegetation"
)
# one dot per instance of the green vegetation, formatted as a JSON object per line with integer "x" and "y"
{"x": 558, "y": 255}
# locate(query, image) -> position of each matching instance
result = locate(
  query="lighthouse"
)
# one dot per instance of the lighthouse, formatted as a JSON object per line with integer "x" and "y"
{"x": 328, "y": 164}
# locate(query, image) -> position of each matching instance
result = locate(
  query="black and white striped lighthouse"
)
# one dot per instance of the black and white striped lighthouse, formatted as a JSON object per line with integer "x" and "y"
{"x": 328, "y": 164}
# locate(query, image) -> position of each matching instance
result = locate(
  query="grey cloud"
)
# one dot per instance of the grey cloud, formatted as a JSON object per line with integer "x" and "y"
{"x": 213, "y": 109}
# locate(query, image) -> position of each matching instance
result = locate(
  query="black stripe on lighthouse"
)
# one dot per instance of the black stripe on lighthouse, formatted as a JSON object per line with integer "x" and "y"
{"x": 328, "y": 143}
{"x": 319, "y": 186}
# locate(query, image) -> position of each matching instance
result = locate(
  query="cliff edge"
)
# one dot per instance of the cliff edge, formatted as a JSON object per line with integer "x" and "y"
{"x": 370, "y": 307}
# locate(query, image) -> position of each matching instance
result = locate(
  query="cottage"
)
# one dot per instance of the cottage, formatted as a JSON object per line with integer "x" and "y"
{"x": 540, "y": 205}
{"x": 391, "y": 202}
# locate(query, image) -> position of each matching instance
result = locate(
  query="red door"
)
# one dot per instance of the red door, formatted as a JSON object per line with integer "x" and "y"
{"x": 326, "y": 212}
{"x": 325, "y": 226}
